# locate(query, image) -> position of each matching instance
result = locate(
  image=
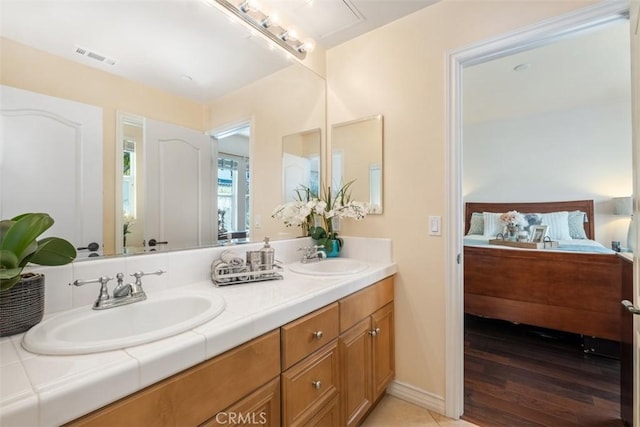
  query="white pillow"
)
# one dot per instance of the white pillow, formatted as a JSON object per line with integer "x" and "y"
{"x": 558, "y": 223}
{"x": 492, "y": 224}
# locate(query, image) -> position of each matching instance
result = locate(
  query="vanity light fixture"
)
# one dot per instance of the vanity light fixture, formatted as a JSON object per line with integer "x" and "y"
{"x": 269, "y": 26}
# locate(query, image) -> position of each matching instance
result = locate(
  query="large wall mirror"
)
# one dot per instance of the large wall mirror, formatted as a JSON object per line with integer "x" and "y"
{"x": 356, "y": 155}
{"x": 137, "y": 183}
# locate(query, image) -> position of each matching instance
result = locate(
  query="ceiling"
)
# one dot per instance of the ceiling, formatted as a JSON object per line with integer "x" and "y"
{"x": 186, "y": 47}
{"x": 581, "y": 69}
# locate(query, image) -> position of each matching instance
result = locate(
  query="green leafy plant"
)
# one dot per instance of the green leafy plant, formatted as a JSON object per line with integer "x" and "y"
{"x": 18, "y": 246}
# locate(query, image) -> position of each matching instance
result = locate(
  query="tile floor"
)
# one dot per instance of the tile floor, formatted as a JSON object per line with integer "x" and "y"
{"x": 394, "y": 412}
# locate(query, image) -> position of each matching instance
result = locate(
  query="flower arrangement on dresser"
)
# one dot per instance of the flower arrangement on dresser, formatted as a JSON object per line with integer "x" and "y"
{"x": 316, "y": 214}
{"x": 513, "y": 222}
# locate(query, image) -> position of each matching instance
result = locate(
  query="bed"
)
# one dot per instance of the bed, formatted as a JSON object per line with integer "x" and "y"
{"x": 575, "y": 291}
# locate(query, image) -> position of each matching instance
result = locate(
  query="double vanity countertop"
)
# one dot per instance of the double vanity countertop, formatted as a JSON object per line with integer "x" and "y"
{"x": 37, "y": 390}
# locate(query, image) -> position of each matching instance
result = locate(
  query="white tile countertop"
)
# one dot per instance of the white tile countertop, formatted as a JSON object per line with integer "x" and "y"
{"x": 37, "y": 390}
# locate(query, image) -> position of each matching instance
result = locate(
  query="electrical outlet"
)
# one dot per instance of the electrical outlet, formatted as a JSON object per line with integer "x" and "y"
{"x": 257, "y": 221}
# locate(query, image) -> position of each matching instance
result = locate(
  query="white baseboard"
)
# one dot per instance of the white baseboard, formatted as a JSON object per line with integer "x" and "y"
{"x": 417, "y": 396}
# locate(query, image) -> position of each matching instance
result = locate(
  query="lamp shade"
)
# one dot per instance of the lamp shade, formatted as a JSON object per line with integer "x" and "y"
{"x": 622, "y": 206}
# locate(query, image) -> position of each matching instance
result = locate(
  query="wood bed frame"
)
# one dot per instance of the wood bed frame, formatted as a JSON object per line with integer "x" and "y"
{"x": 571, "y": 292}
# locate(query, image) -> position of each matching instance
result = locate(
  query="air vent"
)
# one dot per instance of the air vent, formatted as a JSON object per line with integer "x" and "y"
{"x": 96, "y": 56}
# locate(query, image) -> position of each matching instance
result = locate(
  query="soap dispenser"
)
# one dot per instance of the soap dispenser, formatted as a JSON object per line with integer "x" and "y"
{"x": 267, "y": 255}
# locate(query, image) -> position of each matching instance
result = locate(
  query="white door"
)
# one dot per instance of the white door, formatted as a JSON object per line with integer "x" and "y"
{"x": 178, "y": 190}
{"x": 51, "y": 161}
{"x": 634, "y": 22}
{"x": 296, "y": 172}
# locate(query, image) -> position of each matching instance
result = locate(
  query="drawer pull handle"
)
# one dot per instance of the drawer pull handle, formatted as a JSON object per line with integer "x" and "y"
{"x": 316, "y": 384}
{"x": 318, "y": 335}
{"x": 374, "y": 332}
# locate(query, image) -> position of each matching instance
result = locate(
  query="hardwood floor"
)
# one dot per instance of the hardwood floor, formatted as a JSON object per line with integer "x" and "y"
{"x": 522, "y": 376}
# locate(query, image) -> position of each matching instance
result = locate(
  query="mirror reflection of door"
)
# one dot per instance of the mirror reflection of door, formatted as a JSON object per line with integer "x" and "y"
{"x": 233, "y": 196}
{"x": 178, "y": 187}
{"x": 51, "y": 151}
{"x": 300, "y": 163}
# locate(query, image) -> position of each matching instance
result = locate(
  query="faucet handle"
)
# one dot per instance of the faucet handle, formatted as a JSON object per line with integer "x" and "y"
{"x": 138, "y": 274}
{"x": 137, "y": 286}
{"x": 104, "y": 291}
{"x": 102, "y": 280}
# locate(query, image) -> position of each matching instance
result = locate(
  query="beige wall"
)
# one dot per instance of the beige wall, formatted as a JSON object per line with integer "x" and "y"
{"x": 26, "y": 68}
{"x": 399, "y": 71}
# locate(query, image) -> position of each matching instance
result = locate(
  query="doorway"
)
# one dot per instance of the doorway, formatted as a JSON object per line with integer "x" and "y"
{"x": 232, "y": 155}
{"x": 513, "y": 43}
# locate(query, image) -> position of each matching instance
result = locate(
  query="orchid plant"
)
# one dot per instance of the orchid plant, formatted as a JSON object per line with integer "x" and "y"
{"x": 310, "y": 209}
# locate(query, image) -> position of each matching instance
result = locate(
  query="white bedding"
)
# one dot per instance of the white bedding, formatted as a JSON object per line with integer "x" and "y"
{"x": 575, "y": 245}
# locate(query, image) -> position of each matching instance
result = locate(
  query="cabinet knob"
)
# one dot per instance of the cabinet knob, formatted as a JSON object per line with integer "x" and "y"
{"x": 318, "y": 334}
{"x": 374, "y": 332}
{"x": 316, "y": 384}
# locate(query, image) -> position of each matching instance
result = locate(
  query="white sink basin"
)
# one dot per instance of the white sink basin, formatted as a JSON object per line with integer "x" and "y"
{"x": 85, "y": 330}
{"x": 329, "y": 267}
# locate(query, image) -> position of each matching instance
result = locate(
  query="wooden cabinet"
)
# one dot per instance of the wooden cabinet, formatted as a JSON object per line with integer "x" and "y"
{"x": 366, "y": 348}
{"x": 324, "y": 368}
{"x": 196, "y": 395}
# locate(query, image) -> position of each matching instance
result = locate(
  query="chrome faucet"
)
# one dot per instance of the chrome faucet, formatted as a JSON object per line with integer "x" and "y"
{"x": 312, "y": 254}
{"x": 122, "y": 294}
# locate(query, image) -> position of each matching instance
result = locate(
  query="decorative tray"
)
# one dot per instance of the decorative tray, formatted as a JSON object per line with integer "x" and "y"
{"x": 549, "y": 244}
{"x": 239, "y": 275}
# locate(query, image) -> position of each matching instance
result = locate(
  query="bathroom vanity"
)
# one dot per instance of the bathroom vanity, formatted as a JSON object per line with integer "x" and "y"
{"x": 327, "y": 368}
{"x": 304, "y": 350}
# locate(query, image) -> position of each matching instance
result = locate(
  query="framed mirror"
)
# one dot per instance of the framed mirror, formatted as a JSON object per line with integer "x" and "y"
{"x": 301, "y": 163}
{"x": 356, "y": 155}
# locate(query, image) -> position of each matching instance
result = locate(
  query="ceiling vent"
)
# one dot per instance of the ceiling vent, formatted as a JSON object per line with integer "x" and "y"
{"x": 94, "y": 55}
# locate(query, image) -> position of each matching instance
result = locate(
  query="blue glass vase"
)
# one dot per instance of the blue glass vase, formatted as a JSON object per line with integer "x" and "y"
{"x": 334, "y": 251}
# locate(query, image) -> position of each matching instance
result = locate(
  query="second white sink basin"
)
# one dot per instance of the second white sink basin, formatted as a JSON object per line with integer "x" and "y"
{"x": 329, "y": 267}
{"x": 84, "y": 330}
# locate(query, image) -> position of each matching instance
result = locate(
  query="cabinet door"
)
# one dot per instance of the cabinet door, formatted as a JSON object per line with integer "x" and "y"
{"x": 357, "y": 387}
{"x": 261, "y": 407}
{"x": 383, "y": 349}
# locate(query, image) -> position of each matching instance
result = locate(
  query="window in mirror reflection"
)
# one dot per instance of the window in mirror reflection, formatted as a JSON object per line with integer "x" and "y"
{"x": 128, "y": 188}
{"x": 233, "y": 184}
{"x": 129, "y": 179}
{"x": 132, "y": 184}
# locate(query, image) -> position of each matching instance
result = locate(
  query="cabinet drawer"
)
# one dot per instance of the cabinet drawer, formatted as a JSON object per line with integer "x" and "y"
{"x": 309, "y": 385}
{"x": 361, "y": 304}
{"x": 307, "y": 334}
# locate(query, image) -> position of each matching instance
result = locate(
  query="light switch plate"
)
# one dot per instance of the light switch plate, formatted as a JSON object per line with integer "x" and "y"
{"x": 435, "y": 225}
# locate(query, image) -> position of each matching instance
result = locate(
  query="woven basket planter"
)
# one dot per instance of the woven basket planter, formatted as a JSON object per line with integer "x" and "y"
{"x": 22, "y": 306}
